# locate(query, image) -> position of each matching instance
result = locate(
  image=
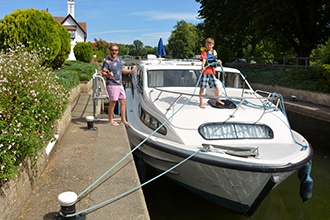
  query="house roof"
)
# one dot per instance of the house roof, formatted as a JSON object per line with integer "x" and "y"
{"x": 81, "y": 25}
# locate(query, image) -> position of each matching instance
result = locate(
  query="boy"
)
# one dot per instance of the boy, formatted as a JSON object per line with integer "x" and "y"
{"x": 209, "y": 60}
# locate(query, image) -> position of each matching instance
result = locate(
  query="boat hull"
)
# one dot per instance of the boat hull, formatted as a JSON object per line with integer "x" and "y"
{"x": 237, "y": 189}
{"x": 234, "y": 154}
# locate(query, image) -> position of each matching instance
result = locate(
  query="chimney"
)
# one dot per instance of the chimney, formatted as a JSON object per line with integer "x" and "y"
{"x": 71, "y": 7}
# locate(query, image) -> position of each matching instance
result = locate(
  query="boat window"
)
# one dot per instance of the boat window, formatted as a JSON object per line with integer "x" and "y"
{"x": 232, "y": 80}
{"x": 216, "y": 131}
{"x": 172, "y": 78}
{"x": 139, "y": 77}
{"x": 151, "y": 122}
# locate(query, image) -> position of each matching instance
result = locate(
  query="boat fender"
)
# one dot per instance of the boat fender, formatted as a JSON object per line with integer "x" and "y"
{"x": 306, "y": 182}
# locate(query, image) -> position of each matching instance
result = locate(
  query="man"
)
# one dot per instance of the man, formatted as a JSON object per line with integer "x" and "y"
{"x": 112, "y": 69}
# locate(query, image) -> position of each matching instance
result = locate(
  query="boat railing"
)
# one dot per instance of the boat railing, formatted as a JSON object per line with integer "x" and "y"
{"x": 275, "y": 98}
{"x": 207, "y": 96}
{"x": 270, "y": 101}
{"x": 99, "y": 90}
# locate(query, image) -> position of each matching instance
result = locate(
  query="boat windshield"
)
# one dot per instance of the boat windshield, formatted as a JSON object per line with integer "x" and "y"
{"x": 172, "y": 78}
{"x": 189, "y": 78}
{"x": 232, "y": 80}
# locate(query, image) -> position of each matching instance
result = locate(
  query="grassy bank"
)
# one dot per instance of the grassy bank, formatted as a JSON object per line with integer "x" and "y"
{"x": 311, "y": 79}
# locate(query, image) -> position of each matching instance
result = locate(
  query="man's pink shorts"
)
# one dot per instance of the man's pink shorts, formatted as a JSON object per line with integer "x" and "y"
{"x": 116, "y": 92}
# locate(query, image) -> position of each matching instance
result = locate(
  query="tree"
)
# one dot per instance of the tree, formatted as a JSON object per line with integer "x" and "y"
{"x": 123, "y": 49}
{"x": 34, "y": 28}
{"x": 289, "y": 24}
{"x": 137, "y": 48}
{"x": 326, "y": 53}
{"x": 83, "y": 51}
{"x": 100, "y": 48}
{"x": 325, "y": 67}
{"x": 64, "y": 52}
{"x": 183, "y": 42}
{"x": 150, "y": 50}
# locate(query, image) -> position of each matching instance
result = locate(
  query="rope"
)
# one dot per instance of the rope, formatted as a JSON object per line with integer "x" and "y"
{"x": 143, "y": 141}
{"x": 303, "y": 146}
{"x": 223, "y": 80}
{"x": 266, "y": 106}
{"x": 133, "y": 189}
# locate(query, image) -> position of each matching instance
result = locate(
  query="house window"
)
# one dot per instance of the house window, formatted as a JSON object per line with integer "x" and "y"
{"x": 72, "y": 34}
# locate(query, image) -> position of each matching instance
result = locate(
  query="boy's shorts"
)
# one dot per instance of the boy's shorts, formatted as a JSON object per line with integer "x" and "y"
{"x": 116, "y": 92}
{"x": 208, "y": 79}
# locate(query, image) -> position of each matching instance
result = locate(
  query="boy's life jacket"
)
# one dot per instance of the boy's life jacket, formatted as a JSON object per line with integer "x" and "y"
{"x": 211, "y": 58}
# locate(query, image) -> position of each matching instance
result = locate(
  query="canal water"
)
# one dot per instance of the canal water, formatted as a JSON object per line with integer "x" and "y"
{"x": 168, "y": 201}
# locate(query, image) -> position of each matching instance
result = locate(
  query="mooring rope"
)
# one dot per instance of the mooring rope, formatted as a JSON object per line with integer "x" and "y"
{"x": 136, "y": 147}
{"x": 133, "y": 189}
{"x": 266, "y": 106}
{"x": 303, "y": 146}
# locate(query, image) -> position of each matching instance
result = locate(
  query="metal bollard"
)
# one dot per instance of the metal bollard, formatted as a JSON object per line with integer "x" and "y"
{"x": 68, "y": 206}
{"x": 90, "y": 122}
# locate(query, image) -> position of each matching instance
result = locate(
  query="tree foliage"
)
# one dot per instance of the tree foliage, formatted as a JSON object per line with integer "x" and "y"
{"x": 326, "y": 53}
{"x": 35, "y": 28}
{"x": 100, "y": 48}
{"x": 123, "y": 49}
{"x": 136, "y": 48}
{"x": 288, "y": 24}
{"x": 151, "y": 50}
{"x": 65, "y": 49}
{"x": 183, "y": 42}
{"x": 83, "y": 51}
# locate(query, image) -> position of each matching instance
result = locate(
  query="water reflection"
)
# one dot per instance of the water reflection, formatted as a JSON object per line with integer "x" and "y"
{"x": 166, "y": 200}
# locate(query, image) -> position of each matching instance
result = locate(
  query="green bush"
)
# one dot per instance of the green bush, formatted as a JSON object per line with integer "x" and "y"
{"x": 326, "y": 54}
{"x": 311, "y": 79}
{"x": 84, "y": 71}
{"x": 83, "y": 51}
{"x": 31, "y": 101}
{"x": 36, "y": 28}
{"x": 65, "y": 49}
{"x": 325, "y": 70}
{"x": 68, "y": 79}
{"x": 84, "y": 77}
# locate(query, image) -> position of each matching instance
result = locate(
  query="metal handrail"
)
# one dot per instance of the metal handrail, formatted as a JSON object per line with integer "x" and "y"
{"x": 99, "y": 86}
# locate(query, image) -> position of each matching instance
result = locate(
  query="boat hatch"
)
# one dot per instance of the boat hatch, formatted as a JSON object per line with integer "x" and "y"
{"x": 228, "y": 104}
{"x": 221, "y": 131}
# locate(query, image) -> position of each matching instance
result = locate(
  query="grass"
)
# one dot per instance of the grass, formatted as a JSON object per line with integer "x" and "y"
{"x": 311, "y": 79}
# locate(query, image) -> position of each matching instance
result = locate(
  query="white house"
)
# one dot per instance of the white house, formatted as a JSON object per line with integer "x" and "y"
{"x": 77, "y": 30}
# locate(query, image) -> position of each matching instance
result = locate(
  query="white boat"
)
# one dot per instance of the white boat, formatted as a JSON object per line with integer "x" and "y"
{"x": 233, "y": 155}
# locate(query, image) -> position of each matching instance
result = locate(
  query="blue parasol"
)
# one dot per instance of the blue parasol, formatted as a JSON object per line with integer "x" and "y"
{"x": 161, "y": 49}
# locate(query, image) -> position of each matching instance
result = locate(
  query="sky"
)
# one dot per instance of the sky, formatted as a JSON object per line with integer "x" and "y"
{"x": 119, "y": 21}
